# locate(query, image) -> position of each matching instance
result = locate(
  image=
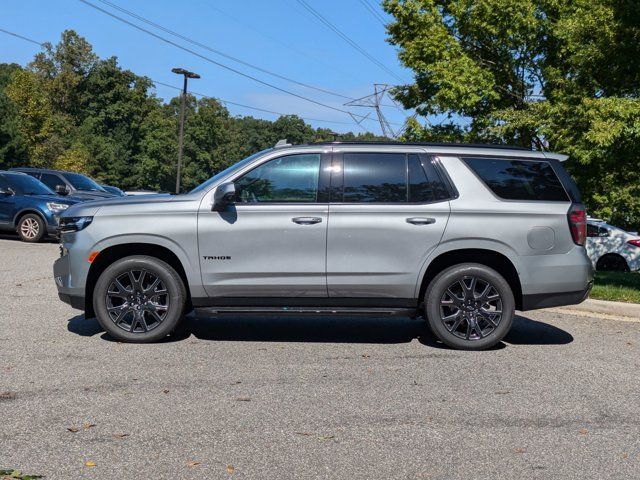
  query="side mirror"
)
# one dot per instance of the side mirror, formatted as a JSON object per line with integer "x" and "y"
{"x": 225, "y": 195}
{"x": 6, "y": 192}
{"x": 62, "y": 190}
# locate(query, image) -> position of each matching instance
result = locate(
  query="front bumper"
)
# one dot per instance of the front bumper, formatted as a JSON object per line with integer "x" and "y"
{"x": 74, "y": 296}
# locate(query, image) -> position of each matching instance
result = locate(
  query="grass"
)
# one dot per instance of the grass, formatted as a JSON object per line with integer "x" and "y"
{"x": 617, "y": 287}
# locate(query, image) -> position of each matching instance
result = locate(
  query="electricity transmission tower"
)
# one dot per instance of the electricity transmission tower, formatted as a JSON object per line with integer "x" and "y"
{"x": 375, "y": 101}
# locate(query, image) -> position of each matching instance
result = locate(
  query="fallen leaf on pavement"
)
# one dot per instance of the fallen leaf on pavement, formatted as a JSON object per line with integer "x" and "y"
{"x": 87, "y": 425}
{"x": 230, "y": 469}
{"x": 7, "y": 396}
{"x": 166, "y": 390}
{"x": 192, "y": 464}
{"x": 121, "y": 435}
{"x": 306, "y": 434}
{"x": 243, "y": 399}
{"x": 366, "y": 355}
{"x": 583, "y": 431}
{"x": 89, "y": 463}
{"x": 520, "y": 450}
{"x": 625, "y": 456}
{"x": 327, "y": 437}
{"x": 73, "y": 429}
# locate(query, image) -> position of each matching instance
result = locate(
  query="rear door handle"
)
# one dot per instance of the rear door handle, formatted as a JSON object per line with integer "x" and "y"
{"x": 306, "y": 220}
{"x": 421, "y": 220}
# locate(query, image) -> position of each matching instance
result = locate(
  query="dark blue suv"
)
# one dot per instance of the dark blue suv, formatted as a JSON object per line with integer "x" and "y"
{"x": 29, "y": 207}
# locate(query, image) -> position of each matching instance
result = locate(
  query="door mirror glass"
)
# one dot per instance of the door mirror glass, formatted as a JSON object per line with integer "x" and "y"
{"x": 61, "y": 190}
{"x": 225, "y": 195}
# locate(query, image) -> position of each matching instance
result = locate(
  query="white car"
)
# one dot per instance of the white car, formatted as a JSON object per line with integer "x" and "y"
{"x": 611, "y": 248}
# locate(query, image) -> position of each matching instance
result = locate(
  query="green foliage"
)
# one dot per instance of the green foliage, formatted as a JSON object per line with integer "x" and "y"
{"x": 616, "y": 287}
{"x": 69, "y": 109}
{"x": 557, "y": 74}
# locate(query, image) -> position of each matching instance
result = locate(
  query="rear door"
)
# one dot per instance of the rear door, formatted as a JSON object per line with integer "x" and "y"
{"x": 388, "y": 212}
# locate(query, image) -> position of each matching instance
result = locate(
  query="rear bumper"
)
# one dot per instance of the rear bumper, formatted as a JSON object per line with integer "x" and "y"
{"x": 548, "y": 300}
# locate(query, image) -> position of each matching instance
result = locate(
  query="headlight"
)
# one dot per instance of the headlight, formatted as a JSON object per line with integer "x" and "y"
{"x": 57, "y": 207}
{"x": 74, "y": 224}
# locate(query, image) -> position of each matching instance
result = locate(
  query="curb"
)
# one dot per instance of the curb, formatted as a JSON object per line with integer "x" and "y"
{"x": 604, "y": 309}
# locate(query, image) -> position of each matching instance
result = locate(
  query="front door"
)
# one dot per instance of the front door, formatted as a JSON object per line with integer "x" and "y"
{"x": 7, "y": 205}
{"x": 388, "y": 212}
{"x": 272, "y": 242}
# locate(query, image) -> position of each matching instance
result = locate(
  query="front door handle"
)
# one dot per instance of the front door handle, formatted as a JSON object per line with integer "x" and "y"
{"x": 421, "y": 220}
{"x": 306, "y": 220}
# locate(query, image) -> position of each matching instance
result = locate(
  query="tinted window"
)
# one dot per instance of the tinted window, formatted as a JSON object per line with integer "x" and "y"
{"x": 375, "y": 177}
{"x": 596, "y": 231}
{"x": 519, "y": 180}
{"x": 27, "y": 185}
{"x": 51, "y": 181}
{"x": 424, "y": 182}
{"x": 80, "y": 182}
{"x": 290, "y": 179}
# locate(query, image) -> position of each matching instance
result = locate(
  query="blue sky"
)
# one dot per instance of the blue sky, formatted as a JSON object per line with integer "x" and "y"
{"x": 277, "y": 35}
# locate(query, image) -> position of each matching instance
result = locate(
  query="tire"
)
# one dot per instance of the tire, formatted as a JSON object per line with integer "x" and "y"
{"x": 128, "y": 293}
{"x": 612, "y": 263}
{"x": 31, "y": 228}
{"x": 479, "y": 325}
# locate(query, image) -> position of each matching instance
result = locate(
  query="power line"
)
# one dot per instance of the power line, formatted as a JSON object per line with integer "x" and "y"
{"x": 226, "y": 67}
{"x": 249, "y": 106}
{"x": 21, "y": 37}
{"x": 346, "y": 38}
{"x": 337, "y": 122}
{"x": 373, "y": 12}
{"x": 218, "y": 52}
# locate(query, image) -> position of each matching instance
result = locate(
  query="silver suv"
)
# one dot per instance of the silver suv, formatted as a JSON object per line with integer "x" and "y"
{"x": 462, "y": 234}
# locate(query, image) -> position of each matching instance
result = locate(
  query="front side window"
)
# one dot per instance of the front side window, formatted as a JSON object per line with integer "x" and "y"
{"x": 288, "y": 179}
{"x": 519, "y": 179}
{"x": 51, "y": 181}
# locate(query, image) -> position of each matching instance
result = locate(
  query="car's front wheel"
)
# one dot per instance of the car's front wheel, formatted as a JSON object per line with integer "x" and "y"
{"x": 31, "y": 228}
{"x": 469, "y": 306}
{"x": 139, "y": 299}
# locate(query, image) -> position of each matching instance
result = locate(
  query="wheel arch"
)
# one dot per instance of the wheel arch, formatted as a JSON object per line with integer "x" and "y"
{"x": 113, "y": 253}
{"x": 491, "y": 258}
{"x": 26, "y": 211}
{"x": 610, "y": 255}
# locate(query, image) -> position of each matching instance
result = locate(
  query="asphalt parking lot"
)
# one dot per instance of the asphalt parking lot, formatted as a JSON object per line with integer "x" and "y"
{"x": 275, "y": 397}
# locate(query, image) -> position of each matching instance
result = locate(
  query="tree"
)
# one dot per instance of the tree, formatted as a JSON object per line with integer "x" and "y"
{"x": 538, "y": 73}
{"x": 13, "y": 147}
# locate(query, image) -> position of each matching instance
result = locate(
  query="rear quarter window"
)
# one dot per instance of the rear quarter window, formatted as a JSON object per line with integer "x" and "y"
{"x": 519, "y": 179}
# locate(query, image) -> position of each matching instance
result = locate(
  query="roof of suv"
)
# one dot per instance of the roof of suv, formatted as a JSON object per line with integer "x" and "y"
{"x": 436, "y": 147}
{"x": 38, "y": 169}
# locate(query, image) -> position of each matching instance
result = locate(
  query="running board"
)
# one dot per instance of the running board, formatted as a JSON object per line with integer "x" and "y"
{"x": 212, "y": 311}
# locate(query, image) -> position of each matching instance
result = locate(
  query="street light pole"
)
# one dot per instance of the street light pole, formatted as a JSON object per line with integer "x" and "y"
{"x": 187, "y": 74}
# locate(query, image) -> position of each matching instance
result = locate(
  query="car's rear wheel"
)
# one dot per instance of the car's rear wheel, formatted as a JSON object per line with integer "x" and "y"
{"x": 612, "y": 263}
{"x": 469, "y": 306}
{"x": 139, "y": 299}
{"x": 31, "y": 228}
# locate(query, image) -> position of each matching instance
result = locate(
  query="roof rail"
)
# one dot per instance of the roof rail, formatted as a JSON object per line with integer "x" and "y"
{"x": 427, "y": 144}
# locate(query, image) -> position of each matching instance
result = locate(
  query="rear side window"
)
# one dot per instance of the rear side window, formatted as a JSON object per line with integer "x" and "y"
{"x": 519, "y": 179}
{"x": 375, "y": 177}
{"x": 390, "y": 178}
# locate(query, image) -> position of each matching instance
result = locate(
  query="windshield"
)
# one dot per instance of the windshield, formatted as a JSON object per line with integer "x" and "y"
{"x": 226, "y": 171}
{"x": 27, "y": 185}
{"x": 80, "y": 182}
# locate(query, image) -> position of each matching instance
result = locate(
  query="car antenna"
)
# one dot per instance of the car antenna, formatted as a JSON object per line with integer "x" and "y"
{"x": 282, "y": 143}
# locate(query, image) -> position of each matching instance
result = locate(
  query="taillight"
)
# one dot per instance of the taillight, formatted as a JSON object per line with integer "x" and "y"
{"x": 578, "y": 223}
{"x": 635, "y": 243}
